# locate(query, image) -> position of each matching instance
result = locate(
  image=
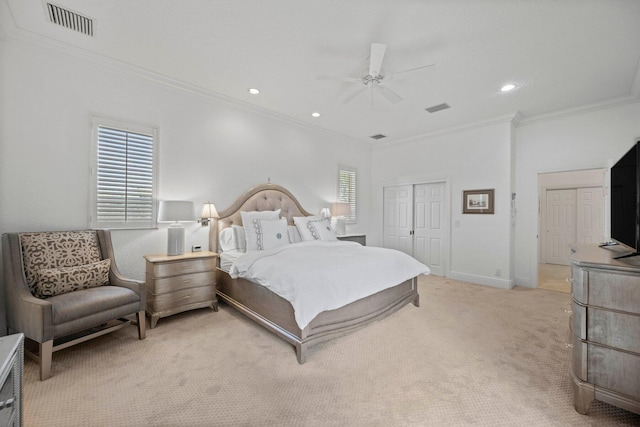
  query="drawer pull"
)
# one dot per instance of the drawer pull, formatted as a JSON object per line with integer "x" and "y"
{"x": 186, "y": 296}
{"x": 569, "y": 280}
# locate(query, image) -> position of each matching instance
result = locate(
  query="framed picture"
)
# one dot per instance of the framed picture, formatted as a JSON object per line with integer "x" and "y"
{"x": 477, "y": 201}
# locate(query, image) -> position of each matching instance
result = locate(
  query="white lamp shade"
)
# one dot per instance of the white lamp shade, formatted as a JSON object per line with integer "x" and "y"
{"x": 209, "y": 211}
{"x": 176, "y": 211}
{"x": 340, "y": 209}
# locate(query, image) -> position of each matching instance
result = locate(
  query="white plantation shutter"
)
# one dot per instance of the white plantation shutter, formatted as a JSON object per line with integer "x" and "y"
{"x": 347, "y": 190}
{"x": 124, "y": 177}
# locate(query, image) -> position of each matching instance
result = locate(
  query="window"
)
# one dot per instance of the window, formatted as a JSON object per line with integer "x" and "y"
{"x": 124, "y": 172}
{"x": 347, "y": 190}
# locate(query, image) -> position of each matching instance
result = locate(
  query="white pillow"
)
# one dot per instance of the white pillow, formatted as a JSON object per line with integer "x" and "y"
{"x": 227, "y": 240}
{"x": 250, "y": 231}
{"x": 301, "y": 223}
{"x": 271, "y": 234}
{"x": 321, "y": 229}
{"x": 241, "y": 240}
{"x": 294, "y": 234}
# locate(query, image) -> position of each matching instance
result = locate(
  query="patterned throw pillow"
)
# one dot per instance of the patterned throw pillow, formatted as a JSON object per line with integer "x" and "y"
{"x": 56, "y": 281}
{"x": 57, "y": 249}
{"x": 321, "y": 230}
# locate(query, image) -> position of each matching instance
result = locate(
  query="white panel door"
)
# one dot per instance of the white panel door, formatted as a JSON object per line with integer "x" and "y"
{"x": 589, "y": 212}
{"x": 398, "y": 218}
{"x": 428, "y": 225}
{"x": 561, "y": 225}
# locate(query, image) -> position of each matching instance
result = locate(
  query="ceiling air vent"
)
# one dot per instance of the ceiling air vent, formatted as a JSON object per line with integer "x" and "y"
{"x": 378, "y": 136}
{"x": 438, "y": 107}
{"x": 71, "y": 20}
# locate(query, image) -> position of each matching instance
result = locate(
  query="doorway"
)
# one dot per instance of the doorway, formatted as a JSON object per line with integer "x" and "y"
{"x": 415, "y": 222}
{"x": 571, "y": 212}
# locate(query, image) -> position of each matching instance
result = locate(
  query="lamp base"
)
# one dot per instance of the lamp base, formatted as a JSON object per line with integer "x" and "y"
{"x": 175, "y": 241}
{"x": 341, "y": 226}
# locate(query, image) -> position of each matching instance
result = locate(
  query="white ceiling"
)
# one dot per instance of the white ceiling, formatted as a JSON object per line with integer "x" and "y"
{"x": 563, "y": 54}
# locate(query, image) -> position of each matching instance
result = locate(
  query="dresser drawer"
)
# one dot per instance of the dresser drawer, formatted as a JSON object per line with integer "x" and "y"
{"x": 613, "y": 290}
{"x": 614, "y": 329}
{"x": 176, "y": 299}
{"x": 176, "y": 268}
{"x": 176, "y": 283}
{"x": 578, "y": 288}
{"x": 614, "y": 370}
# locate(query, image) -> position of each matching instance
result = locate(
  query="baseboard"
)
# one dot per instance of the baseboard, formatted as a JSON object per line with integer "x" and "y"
{"x": 494, "y": 282}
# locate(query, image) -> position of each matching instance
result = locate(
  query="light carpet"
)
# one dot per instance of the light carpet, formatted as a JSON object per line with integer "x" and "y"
{"x": 469, "y": 355}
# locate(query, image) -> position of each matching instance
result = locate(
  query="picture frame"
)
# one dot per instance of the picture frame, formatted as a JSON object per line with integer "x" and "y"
{"x": 478, "y": 201}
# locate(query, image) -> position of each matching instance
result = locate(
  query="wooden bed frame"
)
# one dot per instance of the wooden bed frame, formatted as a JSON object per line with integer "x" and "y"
{"x": 274, "y": 312}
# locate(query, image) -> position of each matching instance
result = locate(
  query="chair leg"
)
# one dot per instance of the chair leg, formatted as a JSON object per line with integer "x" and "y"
{"x": 142, "y": 322}
{"x": 46, "y": 352}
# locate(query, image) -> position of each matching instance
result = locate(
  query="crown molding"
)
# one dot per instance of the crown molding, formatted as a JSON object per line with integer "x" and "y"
{"x": 514, "y": 117}
{"x": 18, "y": 35}
{"x": 560, "y": 114}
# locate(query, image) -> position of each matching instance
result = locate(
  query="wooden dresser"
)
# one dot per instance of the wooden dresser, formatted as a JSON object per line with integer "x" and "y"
{"x": 605, "y": 327}
{"x": 180, "y": 283}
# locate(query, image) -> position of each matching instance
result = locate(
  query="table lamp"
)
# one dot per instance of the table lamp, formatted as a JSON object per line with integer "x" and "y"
{"x": 175, "y": 211}
{"x": 340, "y": 210}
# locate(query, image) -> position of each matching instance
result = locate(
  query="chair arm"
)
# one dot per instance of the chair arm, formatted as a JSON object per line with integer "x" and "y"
{"x": 25, "y": 313}
{"x": 115, "y": 277}
{"x": 137, "y": 286}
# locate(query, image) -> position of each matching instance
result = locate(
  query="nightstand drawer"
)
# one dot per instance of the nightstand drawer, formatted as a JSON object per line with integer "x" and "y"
{"x": 184, "y": 297}
{"x": 177, "y": 268}
{"x": 171, "y": 284}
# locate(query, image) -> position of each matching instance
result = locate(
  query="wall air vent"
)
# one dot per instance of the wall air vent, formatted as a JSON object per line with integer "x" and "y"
{"x": 71, "y": 20}
{"x": 378, "y": 136}
{"x": 438, "y": 107}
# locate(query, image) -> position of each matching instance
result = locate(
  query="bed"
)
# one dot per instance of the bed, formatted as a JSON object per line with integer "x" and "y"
{"x": 271, "y": 310}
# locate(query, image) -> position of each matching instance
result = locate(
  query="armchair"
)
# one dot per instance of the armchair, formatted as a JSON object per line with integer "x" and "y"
{"x": 63, "y": 288}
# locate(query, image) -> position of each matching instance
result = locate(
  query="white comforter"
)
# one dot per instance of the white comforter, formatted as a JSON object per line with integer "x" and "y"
{"x": 315, "y": 276}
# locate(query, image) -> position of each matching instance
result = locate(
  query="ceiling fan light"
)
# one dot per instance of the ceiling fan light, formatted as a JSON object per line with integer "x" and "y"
{"x": 254, "y": 91}
{"x": 508, "y": 87}
{"x": 315, "y": 114}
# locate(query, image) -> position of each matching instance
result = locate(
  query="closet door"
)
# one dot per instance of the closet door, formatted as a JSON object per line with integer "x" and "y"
{"x": 589, "y": 215}
{"x": 428, "y": 225}
{"x": 561, "y": 225}
{"x": 398, "y": 218}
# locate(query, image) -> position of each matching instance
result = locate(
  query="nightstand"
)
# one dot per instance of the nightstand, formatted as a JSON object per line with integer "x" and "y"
{"x": 359, "y": 238}
{"x": 180, "y": 283}
{"x": 11, "y": 373}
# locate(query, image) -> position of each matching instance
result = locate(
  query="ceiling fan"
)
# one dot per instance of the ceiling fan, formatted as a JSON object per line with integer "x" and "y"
{"x": 374, "y": 80}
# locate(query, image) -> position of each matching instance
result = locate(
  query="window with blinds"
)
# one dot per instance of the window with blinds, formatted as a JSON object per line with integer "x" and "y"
{"x": 124, "y": 172}
{"x": 347, "y": 190}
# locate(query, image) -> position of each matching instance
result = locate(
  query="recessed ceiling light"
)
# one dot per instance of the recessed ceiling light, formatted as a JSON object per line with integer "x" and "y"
{"x": 315, "y": 114}
{"x": 254, "y": 91}
{"x": 508, "y": 87}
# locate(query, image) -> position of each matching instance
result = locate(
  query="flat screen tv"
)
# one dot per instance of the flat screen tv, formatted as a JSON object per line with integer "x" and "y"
{"x": 625, "y": 200}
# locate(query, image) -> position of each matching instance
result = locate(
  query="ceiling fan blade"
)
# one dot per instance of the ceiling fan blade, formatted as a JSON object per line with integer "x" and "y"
{"x": 353, "y": 96}
{"x": 391, "y": 96}
{"x": 344, "y": 79}
{"x": 375, "y": 60}
{"x": 413, "y": 69}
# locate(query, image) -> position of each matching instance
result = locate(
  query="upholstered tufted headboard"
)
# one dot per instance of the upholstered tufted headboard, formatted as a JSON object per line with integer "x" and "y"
{"x": 264, "y": 197}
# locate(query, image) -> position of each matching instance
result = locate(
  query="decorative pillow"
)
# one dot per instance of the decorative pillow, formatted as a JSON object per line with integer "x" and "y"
{"x": 57, "y": 281}
{"x": 250, "y": 231}
{"x": 301, "y": 223}
{"x": 55, "y": 249}
{"x": 241, "y": 239}
{"x": 294, "y": 234}
{"x": 271, "y": 234}
{"x": 228, "y": 240}
{"x": 321, "y": 230}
